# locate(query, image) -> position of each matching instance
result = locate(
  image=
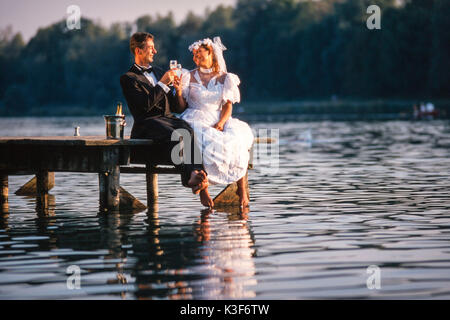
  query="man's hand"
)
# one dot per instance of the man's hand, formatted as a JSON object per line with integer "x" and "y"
{"x": 177, "y": 85}
{"x": 218, "y": 126}
{"x": 168, "y": 77}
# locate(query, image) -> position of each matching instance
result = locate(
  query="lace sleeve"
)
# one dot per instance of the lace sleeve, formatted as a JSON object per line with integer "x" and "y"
{"x": 185, "y": 80}
{"x": 230, "y": 89}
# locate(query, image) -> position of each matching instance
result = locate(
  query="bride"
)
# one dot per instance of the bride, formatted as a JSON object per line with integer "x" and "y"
{"x": 206, "y": 94}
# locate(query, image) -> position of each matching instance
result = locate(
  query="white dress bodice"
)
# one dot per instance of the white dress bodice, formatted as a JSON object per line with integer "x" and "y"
{"x": 208, "y": 98}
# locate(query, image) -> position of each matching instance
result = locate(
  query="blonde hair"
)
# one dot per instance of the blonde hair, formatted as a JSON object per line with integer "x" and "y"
{"x": 214, "y": 58}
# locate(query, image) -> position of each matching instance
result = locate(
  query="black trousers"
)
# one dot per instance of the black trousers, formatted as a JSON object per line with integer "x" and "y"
{"x": 161, "y": 129}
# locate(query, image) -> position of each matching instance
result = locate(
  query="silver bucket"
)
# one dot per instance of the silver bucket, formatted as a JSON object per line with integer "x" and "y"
{"x": 114, "y": 126}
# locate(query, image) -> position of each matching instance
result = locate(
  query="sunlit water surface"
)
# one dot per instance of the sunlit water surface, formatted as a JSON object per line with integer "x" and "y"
{"x": 345, "y": 196}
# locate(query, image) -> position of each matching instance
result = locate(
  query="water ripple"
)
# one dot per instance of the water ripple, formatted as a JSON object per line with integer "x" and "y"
{"x": 347, "y": 195}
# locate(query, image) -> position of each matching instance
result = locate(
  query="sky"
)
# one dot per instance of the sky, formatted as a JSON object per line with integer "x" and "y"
{"x": 26, "y": 16}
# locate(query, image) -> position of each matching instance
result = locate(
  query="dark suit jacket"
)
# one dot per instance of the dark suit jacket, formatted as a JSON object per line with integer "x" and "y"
{"x": 145, "y": 101}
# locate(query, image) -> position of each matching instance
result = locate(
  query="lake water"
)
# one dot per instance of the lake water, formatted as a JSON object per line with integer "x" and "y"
{"x": 342, "y": 197}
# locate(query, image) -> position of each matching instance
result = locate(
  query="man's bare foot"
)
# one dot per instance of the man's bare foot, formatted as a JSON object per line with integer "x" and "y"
{"x": 243, "y": 198}
{"x": 198, "y": 181}
{"x": 200, "y": 187}
{"x": 205, "y": 198}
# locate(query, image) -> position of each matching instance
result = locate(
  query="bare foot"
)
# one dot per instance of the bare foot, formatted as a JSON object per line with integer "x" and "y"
{"x": 205, "y": 198}
{"x": 243, "y": 198}
{"x": 198, "y": 181}
{"x": 200, "y": 187}
{"x": 244, "y": 211}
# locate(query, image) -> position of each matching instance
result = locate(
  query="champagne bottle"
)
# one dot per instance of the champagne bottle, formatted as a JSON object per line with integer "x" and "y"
{"x": 119, "y": 109}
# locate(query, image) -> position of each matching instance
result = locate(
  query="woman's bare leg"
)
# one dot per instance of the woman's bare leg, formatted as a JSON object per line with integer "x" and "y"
{"x": 242, "y": 193}
{"x": 206, "y": 199}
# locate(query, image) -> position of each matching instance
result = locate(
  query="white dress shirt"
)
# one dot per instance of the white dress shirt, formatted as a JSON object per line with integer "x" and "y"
{"x": 152, "y": 78}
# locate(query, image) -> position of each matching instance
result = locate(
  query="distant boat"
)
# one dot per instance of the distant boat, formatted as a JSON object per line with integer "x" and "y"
{"x": 427, "y": 111}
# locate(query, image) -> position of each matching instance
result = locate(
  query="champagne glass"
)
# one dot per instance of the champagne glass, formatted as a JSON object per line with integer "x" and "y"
{"x": 179, "y": 70}
{"x": 173, "y": 67}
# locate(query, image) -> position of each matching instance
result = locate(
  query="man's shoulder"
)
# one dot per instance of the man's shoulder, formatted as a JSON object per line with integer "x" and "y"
{"x": 129, "y": 75}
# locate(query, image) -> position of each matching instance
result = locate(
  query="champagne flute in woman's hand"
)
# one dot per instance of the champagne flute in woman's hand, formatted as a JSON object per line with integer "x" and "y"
{"x": 173, "y": 67}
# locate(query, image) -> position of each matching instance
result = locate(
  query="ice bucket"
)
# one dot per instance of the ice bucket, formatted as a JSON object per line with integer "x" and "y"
{"x": 114, "y": 126}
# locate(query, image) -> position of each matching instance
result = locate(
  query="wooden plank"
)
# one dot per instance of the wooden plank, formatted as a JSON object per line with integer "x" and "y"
{"x": 29, "y": 188}
{"x": 17, "y": 172}
{"x": 129, "y": 203}
{"x": 228, "y": 196}
{"x": 58, "y": 158}
{"x": 88, "y": 141}
{"x": 96, "y": 141}
{"x": 152, "y": 169}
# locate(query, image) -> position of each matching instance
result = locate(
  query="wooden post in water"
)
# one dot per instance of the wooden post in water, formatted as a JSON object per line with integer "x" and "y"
{"x": 42, "y": 187}
{"x": 152, "y": 187}
{"x": 109, "y": 182}
{"x": 109, "y": 190}
{"x": 4, "y": 206}
{"x": 29, "y": 188}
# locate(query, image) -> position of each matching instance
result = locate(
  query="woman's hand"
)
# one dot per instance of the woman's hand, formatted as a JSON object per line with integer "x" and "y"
{"x": 168, "y": 77}
{"x": 178, "y": 85}
{"x": 218, "y": 126}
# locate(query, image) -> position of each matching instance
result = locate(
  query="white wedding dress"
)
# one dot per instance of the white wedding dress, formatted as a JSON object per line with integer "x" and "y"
{"x": 225, "y": 154}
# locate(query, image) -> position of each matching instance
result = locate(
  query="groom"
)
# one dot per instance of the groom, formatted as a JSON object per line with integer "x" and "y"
{"x": 151, "y": 104}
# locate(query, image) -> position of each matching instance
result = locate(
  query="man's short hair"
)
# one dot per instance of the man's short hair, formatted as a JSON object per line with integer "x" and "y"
{"x": 138, "y": 40}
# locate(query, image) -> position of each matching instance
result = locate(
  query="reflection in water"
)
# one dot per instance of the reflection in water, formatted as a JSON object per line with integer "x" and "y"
{"x": 347, "y": 195}
{"x": 45, "y": 223}
{"x": 158, "y": 271}
{"x": 215, "y": 263}
{"x": 113, "y": 231}
{"x": 226, "y": 255}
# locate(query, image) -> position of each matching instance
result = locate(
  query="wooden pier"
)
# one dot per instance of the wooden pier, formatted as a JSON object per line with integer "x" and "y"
{"x": 43, "y": 156}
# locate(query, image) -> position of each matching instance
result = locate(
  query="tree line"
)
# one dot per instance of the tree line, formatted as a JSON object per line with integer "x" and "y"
{"x": 282, "y": 50}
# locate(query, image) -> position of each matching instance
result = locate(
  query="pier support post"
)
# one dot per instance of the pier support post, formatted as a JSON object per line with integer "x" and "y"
{"x": 109, "y": 181}
{"x": 152, "y": 187}
{"x": 109, "y": 186}
{"x": 4, "y": 206}
{"x": 30, "y": 189}
{"x": 42, "y": 187}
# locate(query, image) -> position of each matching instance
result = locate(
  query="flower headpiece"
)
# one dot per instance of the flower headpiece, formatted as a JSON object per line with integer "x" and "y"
{"x": 218, "y": 48}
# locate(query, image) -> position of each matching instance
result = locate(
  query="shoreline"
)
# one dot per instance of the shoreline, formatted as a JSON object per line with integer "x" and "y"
{"x": 344, "y": 109}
